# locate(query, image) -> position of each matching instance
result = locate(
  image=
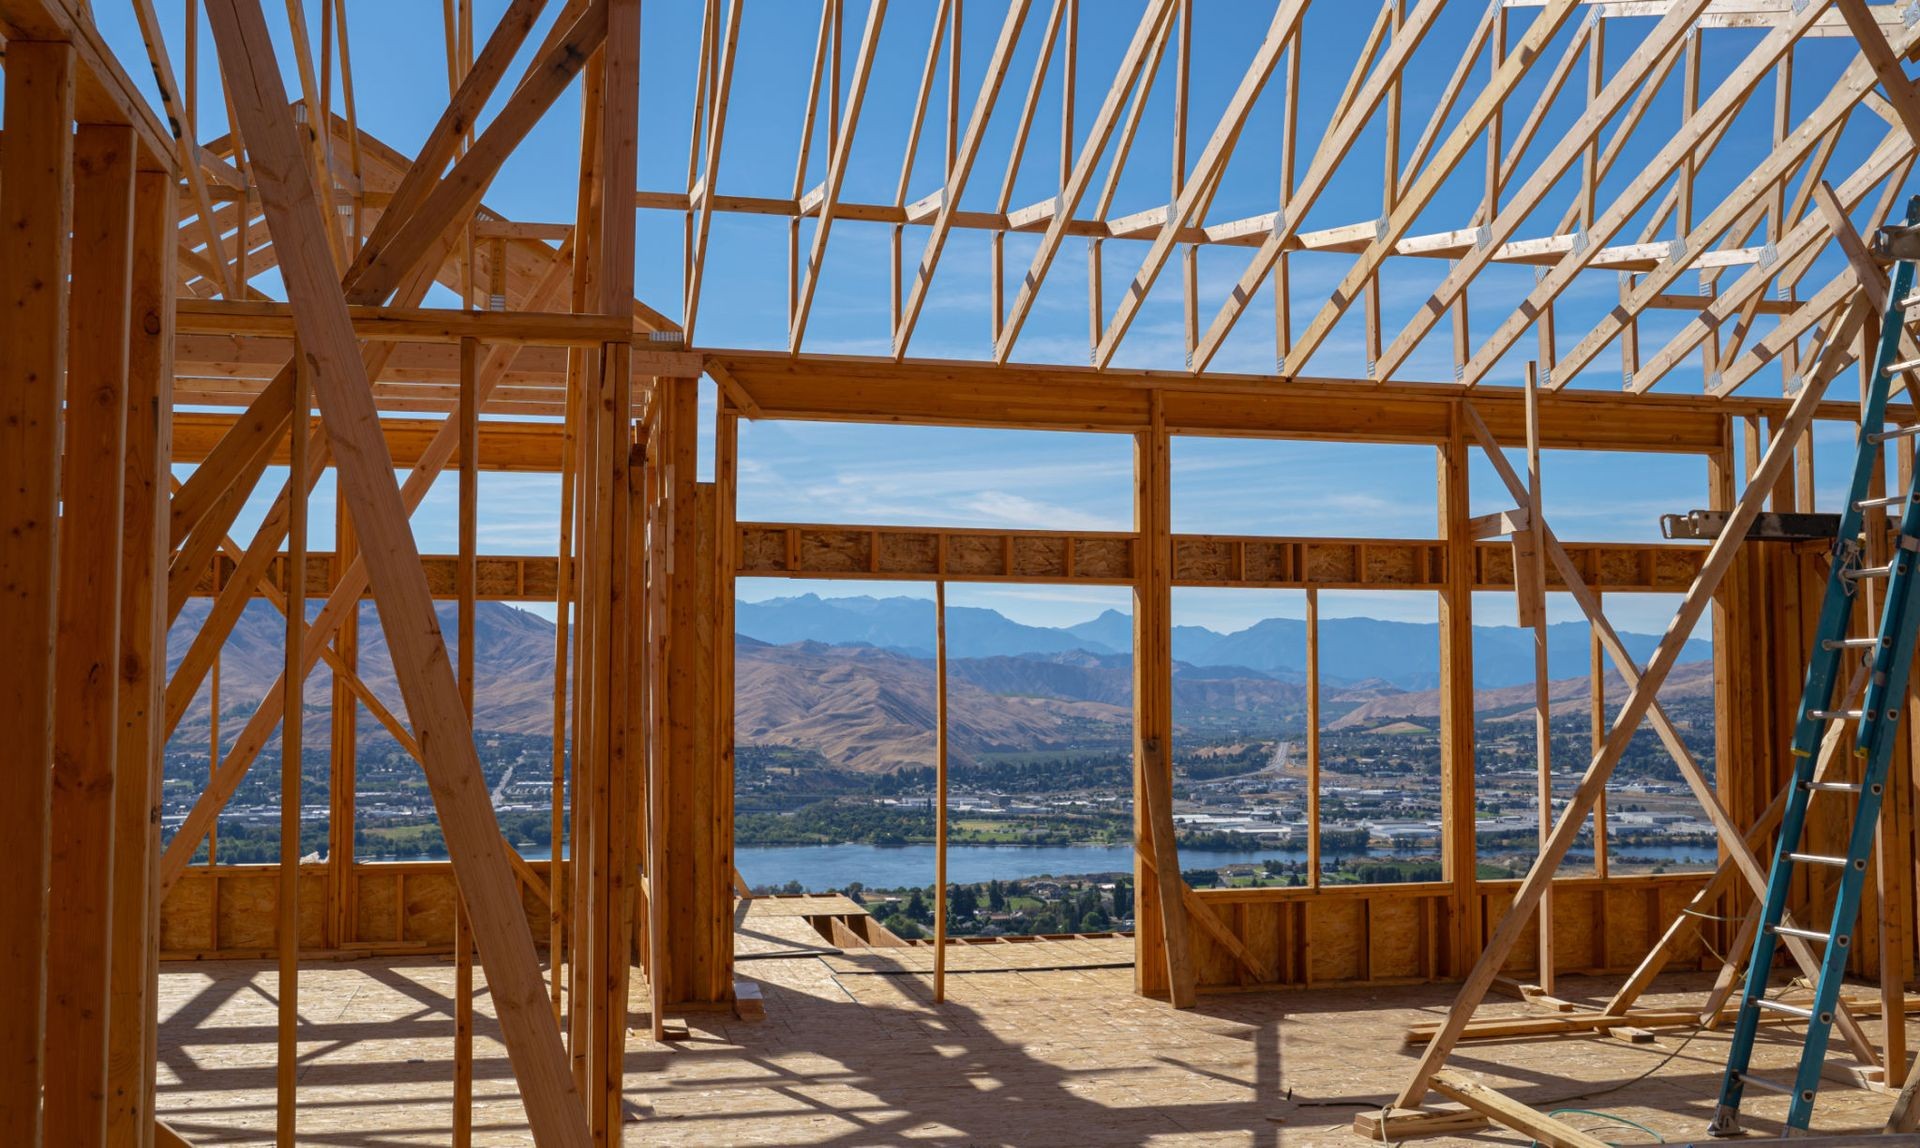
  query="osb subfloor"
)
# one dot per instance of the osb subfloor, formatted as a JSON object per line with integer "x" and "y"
{"x": 853, "y": 1051}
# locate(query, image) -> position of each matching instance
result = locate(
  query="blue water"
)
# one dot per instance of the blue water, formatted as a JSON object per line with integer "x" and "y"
{"x": 819, "y": 867}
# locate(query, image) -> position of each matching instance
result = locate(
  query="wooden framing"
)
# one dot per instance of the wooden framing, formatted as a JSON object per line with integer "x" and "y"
{"x": 131, "y": 259}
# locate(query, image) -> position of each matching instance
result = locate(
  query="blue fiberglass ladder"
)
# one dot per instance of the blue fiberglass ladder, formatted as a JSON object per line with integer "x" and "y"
{"x": 1889, "y": 654}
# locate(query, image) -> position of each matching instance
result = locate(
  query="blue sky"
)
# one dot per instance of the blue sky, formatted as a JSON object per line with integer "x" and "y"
{"x": 1012, "y": 479}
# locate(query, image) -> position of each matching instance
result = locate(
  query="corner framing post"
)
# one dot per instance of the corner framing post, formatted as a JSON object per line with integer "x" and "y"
{"x": 615, "y": 173}
{"x": 1459, "y": 861}
{"x": 86, "y": 694}
{"x": 36, "y": 215}
{"x": 1159, "y": 898}
{"x": 691, "y": 878}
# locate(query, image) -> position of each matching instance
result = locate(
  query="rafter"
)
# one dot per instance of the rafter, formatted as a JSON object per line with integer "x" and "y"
{"x": 962, "y": 168}
{"x": 829, "y": 190}
{"x": 1200, "y": 182}
{"x": 1144, "y": 34}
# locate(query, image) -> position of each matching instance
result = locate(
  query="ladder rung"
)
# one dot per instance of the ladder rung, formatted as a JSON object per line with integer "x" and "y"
{"x": 1819, "y": 859}
{"x": 1785, "y": 1009}
{"x": 1803, "y": 934}
{"x": 1836, "y": 715}
{"x": 1897, "y": 432}
{"x": 1763, "y": 1082}
{"x": 1868, "y": 572}
{"x": 1849, "y": 643}
{"x": 1834, "y": 786}
{"x": 1905, "y": 364}
{"x": 1888, "y": 500}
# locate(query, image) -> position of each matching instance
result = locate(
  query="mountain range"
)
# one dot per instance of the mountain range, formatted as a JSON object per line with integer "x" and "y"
{"x": 852, "y": 679}
{"x": 1406, "y": 654}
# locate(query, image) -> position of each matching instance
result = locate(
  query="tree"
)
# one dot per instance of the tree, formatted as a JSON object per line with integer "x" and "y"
{"x": 901, "y": 927}
{"x": 917, "y": 908}
{"x": 996, "y": 896}
{"x": 1122, "y": 899}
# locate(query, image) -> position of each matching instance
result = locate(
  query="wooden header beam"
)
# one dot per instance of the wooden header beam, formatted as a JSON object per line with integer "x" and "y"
{"x": 913, "y": 553}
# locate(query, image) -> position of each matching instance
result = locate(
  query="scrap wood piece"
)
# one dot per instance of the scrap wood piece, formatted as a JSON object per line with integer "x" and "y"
{"x": 1510, "y": 1112}
{"x": 1413, "y": 1123}
{"x": 748, "y": 1003}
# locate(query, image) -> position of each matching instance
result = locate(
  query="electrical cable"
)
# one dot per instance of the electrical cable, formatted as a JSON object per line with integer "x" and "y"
{"x": 1657, "y": 1138}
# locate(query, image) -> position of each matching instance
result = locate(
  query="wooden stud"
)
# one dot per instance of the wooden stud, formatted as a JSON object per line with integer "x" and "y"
{"x": 1313, "y": 738}
{"x": 467, "y": 578}
{"x": 1153, "y": 733}
{"x": 292, "y": 736}
{"x": 133, "y": 1011}
{"x": 940, "y": 792}
{"x": 1542, "y": 702}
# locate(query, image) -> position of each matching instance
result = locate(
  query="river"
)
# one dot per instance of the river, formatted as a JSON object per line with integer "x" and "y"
{"x": 821, "y": 867}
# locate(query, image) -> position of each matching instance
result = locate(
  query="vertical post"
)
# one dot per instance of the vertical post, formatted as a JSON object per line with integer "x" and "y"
{"x": 1535, "y": 586}
{"x": 1459, "y": 859}
{"x": 36, "y": 215}
{"x": 690, "y": 874}
{"x": 619, "y": 859}
{"x": 1159, "y": 898}
{"x": 133, "y": 1011}
{"x": 558, "y": 887}
{"x": 658, "y": 565}
{"x": 342, "y": 768}
{"x": 287, "y": 1065}
{"x": 465, "y": 580}
{"x": 940, "y": 791}
{"x": 726, "y": 488}
{"x": 1313, "y": 738}
{"x": 86, "y": 696}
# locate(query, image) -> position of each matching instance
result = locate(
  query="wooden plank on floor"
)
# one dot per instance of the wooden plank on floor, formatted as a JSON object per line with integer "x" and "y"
{"x": 1505, "y": 1110}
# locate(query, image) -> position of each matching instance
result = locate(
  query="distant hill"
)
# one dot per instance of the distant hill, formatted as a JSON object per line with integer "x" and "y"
{"x": 513, "y": 684}
{"x": 1688, "y": 680}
